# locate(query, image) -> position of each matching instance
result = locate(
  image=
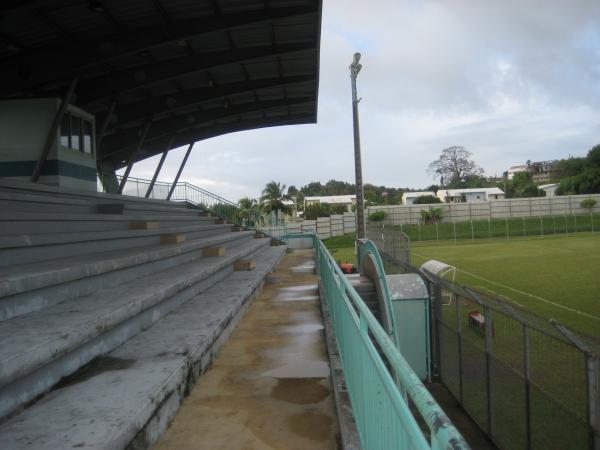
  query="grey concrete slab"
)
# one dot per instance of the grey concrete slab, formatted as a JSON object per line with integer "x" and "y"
{"x": 28, "y": 277}
{"x": 34, "y": 300}
{"x": 110, "y": 241}
{"x": 128, "y": 398}
{"x": 35, "y": 339}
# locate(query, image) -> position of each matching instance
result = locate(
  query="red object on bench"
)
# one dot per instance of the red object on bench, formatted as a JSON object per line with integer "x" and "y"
{"x": 476, "y": 320}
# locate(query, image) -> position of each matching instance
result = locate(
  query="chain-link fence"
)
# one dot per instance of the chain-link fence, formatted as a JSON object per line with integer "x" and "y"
{"x": 529, "y": 383}
{"x": 506, "y": 228}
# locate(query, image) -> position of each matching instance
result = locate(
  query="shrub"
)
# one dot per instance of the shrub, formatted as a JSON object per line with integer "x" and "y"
{"x": 435, "y": 215}
{"x": 588, "y": 204}
{"x": 426, "y": 199}
{"x": 377, "y": 216}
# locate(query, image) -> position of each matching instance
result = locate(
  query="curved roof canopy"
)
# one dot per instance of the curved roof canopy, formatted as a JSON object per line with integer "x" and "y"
{"x": 186, "y": 70}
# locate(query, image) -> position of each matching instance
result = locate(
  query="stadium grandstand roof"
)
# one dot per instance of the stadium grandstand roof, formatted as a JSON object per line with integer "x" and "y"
{"x": 182, "y": 70}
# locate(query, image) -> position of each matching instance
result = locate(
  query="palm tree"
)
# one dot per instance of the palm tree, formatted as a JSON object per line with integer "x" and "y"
{"x": 248, "y": 208}
{"x": 273, "y": 197}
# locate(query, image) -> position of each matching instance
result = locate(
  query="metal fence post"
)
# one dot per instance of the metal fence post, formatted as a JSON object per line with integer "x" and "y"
{"x": 490, "y": 227}
{"x": 593, "y": 390}
{"x": 541, "y": 226}
{"x": 437, "y": 311}
{"x": 459, "y": 337}
{"x": 527, "y": 373}
{"x": 524, "y": 231}
{"x": 489, "y": 335}
{"x": 506, "y": 220}
{"x": 575, "y": 221}
{"x": 454, "y": 228}
{"x": 472, "y": 233}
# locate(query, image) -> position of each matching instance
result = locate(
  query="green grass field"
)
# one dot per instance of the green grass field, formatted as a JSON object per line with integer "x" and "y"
{"x": 556, "y": 276}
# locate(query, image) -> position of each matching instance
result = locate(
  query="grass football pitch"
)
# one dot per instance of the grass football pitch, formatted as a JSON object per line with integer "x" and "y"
{"x": 557, "y": 277}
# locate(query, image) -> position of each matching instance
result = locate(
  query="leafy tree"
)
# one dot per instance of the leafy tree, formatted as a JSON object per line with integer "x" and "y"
{"x": 454, "y": 165}
{"x": 248, "y": 208}
{"x": 588, "y": 204}
{"x": 316, "y": 210}
{"x": 273, "y": 197}
{"x": 338, "y": 209}
{"x": 377, "y": 216}
{"x": 580, "y": 175}
{"x": 426, "y": 199}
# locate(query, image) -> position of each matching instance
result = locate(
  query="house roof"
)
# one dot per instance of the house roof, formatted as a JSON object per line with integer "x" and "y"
{"x": 456, "y": 192}
{"x": 333, "y": 198}
{"x": 191, "y": 69}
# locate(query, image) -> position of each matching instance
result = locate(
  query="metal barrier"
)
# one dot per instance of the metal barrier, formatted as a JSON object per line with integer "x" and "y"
{"x": 380, "y": 396}
{"x": 529, "y": 383}
{"x": 226, "y": 209}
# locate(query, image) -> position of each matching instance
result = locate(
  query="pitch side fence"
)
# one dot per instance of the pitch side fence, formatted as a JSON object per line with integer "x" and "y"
{"x": 529, "y": 383}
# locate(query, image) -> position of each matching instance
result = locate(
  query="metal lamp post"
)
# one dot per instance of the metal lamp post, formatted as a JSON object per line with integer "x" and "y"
{"x": 360, "y": 210}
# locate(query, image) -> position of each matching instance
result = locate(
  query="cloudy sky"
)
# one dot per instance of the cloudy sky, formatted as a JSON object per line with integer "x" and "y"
{"x": 509, "y": 80}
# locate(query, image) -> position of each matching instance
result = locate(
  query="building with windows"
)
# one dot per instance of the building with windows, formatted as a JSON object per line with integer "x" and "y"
{"x": 471, "y": 195}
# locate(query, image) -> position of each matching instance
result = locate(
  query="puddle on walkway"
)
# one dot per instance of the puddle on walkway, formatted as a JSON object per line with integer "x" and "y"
{"x": 270, "y": 386}
{"x": 302, "y": 391}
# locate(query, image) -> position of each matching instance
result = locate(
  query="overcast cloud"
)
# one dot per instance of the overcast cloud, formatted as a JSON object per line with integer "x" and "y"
{"x": 509, "y": 80}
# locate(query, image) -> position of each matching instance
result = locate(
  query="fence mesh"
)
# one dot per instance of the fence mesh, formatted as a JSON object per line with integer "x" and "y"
{"x": 524, "y": 380}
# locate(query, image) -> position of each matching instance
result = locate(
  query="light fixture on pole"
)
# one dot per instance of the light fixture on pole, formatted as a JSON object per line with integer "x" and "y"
{"x": 360, "y": 208}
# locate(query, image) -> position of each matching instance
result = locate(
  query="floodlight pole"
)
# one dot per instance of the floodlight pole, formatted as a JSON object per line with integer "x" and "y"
{"x": 360, "y": 210}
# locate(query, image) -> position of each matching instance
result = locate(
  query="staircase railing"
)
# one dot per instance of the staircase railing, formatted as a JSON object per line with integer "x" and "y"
{"x": 208, "y": 201}
{"x": 380, "y": 391}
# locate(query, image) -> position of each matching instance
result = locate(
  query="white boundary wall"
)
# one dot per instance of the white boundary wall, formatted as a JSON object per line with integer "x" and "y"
{"x": 325, "y": 227}
{"x": 494, "y": 209}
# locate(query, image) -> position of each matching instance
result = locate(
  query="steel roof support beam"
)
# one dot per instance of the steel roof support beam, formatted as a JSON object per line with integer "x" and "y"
{"x": 159, "y": 167}
{"x": 51, "y": 137}
{"x": 53, "y": 64}
{"x": 115, "y": 83}
{"x": 127, "y": 138}
{"x": 105, "y": 122}
{"x": 134, "y": 111}
{"x": 133, "y": 156}
{"x": 185, "y": 158}
{"x": 187, "y": 135}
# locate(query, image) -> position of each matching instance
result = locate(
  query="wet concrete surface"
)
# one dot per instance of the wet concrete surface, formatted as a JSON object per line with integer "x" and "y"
{"x": 270, "y": 387}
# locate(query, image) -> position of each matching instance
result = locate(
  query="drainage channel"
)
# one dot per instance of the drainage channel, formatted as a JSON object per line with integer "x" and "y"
{"x": 270, "y": 385}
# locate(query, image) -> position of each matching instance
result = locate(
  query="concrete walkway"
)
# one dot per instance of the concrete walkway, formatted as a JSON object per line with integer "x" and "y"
{"x": 270, "y": 386}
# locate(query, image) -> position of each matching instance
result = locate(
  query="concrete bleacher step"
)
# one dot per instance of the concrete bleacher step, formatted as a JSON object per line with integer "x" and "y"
{"x": 31, "y": 287}
{"x": 30, "y": 223}
{"x": 26, "y": 202}
{"x": 134, "y": 209}
{"x": 126, "y": 398}
{"x": 42, "y": 347}
{"x": 22, "y": 249}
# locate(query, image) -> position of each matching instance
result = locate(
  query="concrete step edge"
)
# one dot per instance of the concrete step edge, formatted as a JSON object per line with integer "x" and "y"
{"x": 38, "y": 275}
{"x": 29, "y": 356}
{"x": 167, "y": 366}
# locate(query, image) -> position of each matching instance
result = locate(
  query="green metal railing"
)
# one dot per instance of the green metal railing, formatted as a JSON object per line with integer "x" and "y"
{"x": 213, "y": 203}
{"x": 380, "y": 396}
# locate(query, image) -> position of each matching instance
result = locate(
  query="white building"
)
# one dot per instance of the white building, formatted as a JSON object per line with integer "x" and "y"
{"x": 346, "y": 200}
{"x": 516, "y": 169}
{"x": 549, "y": 189}
{"x": 408, "y": 198}
{"x": 471, "y": 195}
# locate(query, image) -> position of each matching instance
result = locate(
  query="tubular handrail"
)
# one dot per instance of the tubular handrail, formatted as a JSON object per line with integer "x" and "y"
{"x": 367, "y": 247}
{"x": 385, "y": 422}
{"x": 211, "y": 202}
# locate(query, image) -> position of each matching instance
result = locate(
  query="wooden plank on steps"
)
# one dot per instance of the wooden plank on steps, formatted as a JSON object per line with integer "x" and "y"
{"x": 143, "y": 225}
{"x": 213, "y": 251}
{"x": 172, "y": 239}
{"x": 236, "y": 228}
{"x": 244, "y": 264}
